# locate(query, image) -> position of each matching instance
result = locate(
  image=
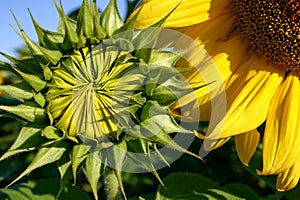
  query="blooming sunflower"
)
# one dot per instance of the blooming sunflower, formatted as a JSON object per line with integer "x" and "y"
{"x": 96, "y": 95}
{"x": 255, "y": 46}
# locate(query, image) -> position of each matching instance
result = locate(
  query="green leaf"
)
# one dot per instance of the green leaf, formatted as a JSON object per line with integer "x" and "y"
{"x": 92, "y": 168}
{"x": 116, "y": 156}
{"x": 45, "y": 189}
{"x": 192, "y": 186}
{"x": 21, "y": 91}
{"x": 14, "y": 195}
{"x": 138, "y": 98}
{"x": 242, "y": 190}
{"x": 165, "y": 96}
{"x": 110, "y": 18}
{"x": 29, "y": 139}
{"x": 144, "y": 54}
{"x": 78, "y": 154}
{"x": 64, "y": 167}
{"x": 150, "y": 196}
{"x": 26, "y": 112}
{"x": 47, "y": 154}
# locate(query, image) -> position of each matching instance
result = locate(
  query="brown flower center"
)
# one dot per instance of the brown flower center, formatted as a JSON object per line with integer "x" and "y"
{"x": 273, "y": 29}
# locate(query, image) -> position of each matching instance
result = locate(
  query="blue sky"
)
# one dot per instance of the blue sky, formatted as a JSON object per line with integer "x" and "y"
{"x": 43, "y": 11}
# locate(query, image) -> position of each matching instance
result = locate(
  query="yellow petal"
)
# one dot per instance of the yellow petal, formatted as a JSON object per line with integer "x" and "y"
{"x": 209, "y": 145}
{"x": 249, "y": 92}
{"x": 281, "y": 143}
{"x": 246, "y": 145}
{"x": 208, "y": 32}
{"x": 228, "y": 56}
{"x": 187, "y": 13}
{"x": 289, "y": 178}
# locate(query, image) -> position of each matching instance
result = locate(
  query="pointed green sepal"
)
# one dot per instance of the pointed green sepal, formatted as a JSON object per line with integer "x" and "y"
{"x": 21, "y": 91}
{"x": 78, "y": 155}
{"x": 99, "y": 31}
{"x": 40, "y": 99}
{"x": 110, "y": 18}
{"x": 165, "y": 140}
{"x": 47, "y": 154}
{"x": 47, "y": 39}
{"x": 24, "y": 111}
{"x": 28, "y": 139}
{"x": 27, "y": 65}
{"x": 47, "y": 73}
{"x": 81, "y": 40}
{"x": 85, "y": 22}
{"x": 143, "y": 157}
{"x": 64, "y": 168}
{"x": 6, "y": 66}
{"x": 70, "y": 35}
{"x": 41, "y": 54}
{"x": 170, "y": 91}
{"x": 35, "y": 82}
{"x": 113, "y": 186}
{"x": 164, "y": 58}
{"x": 51, "y": 133}
{"x": 116, "y": 156}
{"x": 92, "y": 170}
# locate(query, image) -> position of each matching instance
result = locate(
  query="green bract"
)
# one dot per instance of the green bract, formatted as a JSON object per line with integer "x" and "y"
{"x": 95, "y": 94}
